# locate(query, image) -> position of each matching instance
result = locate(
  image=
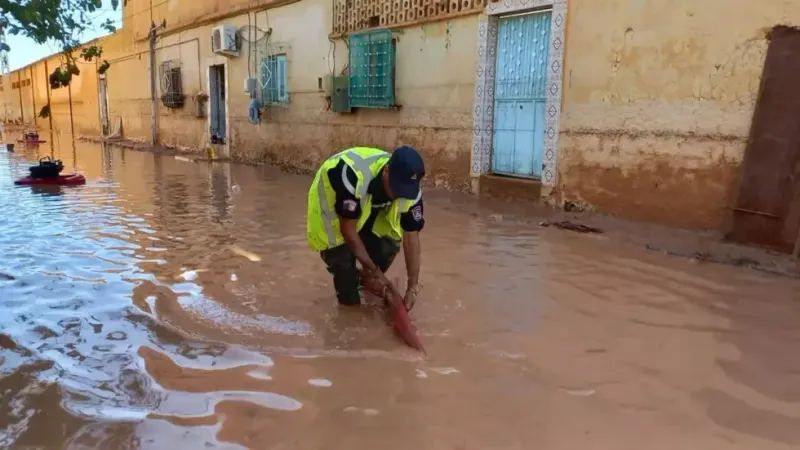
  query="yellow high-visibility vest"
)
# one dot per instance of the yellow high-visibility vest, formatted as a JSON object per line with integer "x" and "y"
{"x": 322, "y": 222}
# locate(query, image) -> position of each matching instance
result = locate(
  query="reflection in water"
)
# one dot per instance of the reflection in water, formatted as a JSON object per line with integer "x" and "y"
{"x": 159, "y": 306}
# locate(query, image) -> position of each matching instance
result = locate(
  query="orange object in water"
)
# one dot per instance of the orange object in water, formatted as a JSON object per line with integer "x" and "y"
{"x": 402, "y": 322}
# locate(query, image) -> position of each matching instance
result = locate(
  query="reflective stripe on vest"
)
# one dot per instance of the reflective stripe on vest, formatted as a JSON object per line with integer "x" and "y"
{"x": 362, "y": 166}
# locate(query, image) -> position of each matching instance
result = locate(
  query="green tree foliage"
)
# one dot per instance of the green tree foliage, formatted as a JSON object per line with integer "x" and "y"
{"x": 62, "y": 21}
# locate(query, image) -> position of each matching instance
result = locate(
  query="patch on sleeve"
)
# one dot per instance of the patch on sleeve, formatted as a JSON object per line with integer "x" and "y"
{"x": 349, "y": 205}
{"x": 417, "y": 213}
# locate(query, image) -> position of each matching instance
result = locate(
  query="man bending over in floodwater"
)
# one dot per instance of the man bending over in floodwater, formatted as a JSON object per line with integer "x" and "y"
{"x": 362, "y": 204}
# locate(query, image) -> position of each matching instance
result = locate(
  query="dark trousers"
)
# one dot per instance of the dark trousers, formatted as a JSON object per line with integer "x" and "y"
{"x": 341, "y": 264}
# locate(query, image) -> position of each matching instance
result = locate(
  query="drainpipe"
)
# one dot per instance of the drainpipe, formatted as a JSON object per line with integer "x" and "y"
{"x": 21, "y": 108}
{"x": 33, "y": 98}
{"x": 47, "y": 89}
{"x": 153, "y": 94}
{"x": 71, "y": 121}
{"x": 153, "y": 105}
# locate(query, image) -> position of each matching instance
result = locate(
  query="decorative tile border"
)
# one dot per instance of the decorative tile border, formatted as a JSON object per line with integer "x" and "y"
{"x": 483, "y": 115}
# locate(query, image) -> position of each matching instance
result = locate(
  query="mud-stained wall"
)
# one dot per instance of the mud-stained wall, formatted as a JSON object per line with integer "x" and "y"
{"x": 434, "y": 86}
{"x": 128, "y": 86}
{"x": 128, "y": 81}
{"x": 658, "y": 97}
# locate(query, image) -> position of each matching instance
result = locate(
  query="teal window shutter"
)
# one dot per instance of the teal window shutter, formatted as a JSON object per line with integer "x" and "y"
{"x": 273, "y": 80}
{"x": 283, "y": 91}
{"x": 266, "y": 76}
{"x": 371, "y": 62}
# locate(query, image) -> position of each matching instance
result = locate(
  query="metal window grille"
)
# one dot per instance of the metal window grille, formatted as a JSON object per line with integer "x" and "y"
{"x": 273, "y": 80}
{"x": 171, "y": 84}
{"x": 371, "y": 62}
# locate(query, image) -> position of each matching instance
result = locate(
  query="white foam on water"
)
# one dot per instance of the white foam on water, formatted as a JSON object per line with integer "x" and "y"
{"x": 445, "y": 370}
{"x": 109, "y": 413}
{"x": 320, "y": 382}
{"x": 259, "y": 374}
{"x": 188, "y": 404}
{"x": 421, "y": 374}
{"x": 306, "y": 356}
{"x": 224, "y": 317}
{"x": 365, "y": 411}
{"x": 580, "y": 392}
{"x": 232, "y": 357}
{"x": 189, "y": 275}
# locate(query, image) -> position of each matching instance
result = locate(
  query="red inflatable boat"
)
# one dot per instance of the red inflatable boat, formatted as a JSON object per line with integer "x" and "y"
{"x": 25, "y": 141}
{"x": 62, "y": 180}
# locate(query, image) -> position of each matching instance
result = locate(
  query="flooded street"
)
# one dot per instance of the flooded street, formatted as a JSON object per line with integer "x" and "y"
{"x": 171, "y": 304}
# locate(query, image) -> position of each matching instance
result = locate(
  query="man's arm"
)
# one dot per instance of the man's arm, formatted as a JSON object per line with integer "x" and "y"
{"x": 412, "y": 223}
{"x": 353, "y": 240}
{"x": 411, "y": 250}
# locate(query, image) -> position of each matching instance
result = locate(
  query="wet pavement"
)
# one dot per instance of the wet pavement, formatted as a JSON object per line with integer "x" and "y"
{"x": 171, "y": 304}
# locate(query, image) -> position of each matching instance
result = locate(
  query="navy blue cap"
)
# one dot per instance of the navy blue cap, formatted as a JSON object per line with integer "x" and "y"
{"x": 406, "y": 170}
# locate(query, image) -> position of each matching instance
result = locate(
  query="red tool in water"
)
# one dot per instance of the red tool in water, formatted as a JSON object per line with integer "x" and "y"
{"x": 397, "y": 309}
{"x": 402, "y": 322}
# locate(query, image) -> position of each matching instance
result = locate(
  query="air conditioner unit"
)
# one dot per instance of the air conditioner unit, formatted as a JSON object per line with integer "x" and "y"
{"x": 225, "y": 40}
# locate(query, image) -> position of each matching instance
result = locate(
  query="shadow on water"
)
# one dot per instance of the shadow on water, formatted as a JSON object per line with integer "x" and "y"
{"x": 168, "y": 303}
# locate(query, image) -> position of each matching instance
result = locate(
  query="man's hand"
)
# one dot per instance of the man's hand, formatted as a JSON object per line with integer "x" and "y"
{"x": 411, "y": 296}
{"x": 374, "y": 280}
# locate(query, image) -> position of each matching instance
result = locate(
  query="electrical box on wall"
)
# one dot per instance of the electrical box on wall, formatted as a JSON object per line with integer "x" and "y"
{"x": 327, "y": 85}
{"x": 225, "y": 40}
{"x": 250, "y": 86}
{"x": 340, "y": 94}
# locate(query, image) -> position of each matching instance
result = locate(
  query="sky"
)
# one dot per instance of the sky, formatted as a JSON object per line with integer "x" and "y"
{"x": 24, "y": 51}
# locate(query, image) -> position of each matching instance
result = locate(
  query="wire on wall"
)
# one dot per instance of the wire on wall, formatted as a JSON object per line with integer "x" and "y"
{"x": 249, "y": 47}
{"x": 256, "y": 39}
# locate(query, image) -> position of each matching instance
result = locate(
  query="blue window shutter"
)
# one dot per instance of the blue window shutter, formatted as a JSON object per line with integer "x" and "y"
{"x": 265, "y": 93}
{"x": 283, "y": 91}
{"x": 273, "y": 79}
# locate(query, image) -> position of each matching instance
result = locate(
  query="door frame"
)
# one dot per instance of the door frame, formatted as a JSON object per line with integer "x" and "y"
{"x": 483, "y": 112}
{"x": 219, "y": 61}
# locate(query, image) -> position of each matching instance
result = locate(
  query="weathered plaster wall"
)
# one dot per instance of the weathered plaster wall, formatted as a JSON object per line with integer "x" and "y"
{"x": 657, "y": 102}
{"x": 434, "y": 86}
{"x": 85, "y": 116}
{"x": 181, "y": 15}
{"x": 128, "y": 82}
{"x": 7, "y": 104}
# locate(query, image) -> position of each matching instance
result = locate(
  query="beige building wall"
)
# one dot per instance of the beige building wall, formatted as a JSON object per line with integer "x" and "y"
{"x": 436, "y": 104}
{"x": 658, "y": 97}
{"x": 28, "y": 101}
{"x": 128, "y": 80}
{"x": 7, "y": 103}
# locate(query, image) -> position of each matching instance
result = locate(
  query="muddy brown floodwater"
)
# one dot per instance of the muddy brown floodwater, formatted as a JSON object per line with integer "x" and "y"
{"x": 134, "y": 317}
